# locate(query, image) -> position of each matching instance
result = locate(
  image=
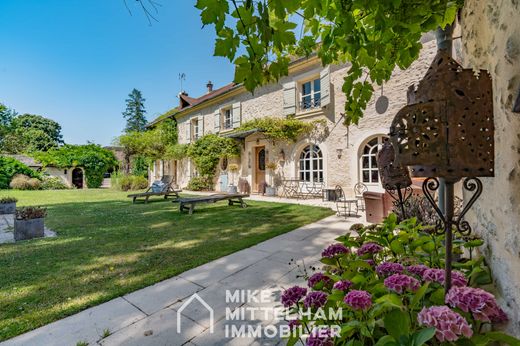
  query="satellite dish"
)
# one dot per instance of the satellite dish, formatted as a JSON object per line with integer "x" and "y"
{"x": 382, "y": 104}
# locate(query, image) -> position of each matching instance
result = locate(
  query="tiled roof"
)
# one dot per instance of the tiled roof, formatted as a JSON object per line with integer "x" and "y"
{"x": 26, "y": 160}
{"x": 195, "y": 101}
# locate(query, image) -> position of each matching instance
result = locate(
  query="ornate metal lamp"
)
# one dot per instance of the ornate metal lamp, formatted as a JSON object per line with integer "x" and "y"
{"x": 394, "y": 177}
{"x": 447, "y": 131}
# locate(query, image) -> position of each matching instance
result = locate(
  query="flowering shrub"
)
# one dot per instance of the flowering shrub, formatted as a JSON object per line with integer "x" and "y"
{"x": 384, "y": 285}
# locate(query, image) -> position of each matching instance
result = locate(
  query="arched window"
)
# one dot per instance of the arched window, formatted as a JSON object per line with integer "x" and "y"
{"x": 311, "y": 164}
{"x": 368, "y": 163}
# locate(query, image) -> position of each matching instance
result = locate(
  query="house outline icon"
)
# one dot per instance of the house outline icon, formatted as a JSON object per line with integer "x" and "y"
{"x": 188, "y": 302}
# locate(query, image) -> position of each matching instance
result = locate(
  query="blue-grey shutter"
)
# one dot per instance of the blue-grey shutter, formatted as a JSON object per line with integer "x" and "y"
{"x": 216, "y": 121}
{"x": 289, "y": 98}
{"x": 325, "y": 86}
{"x": 237, "y": 115}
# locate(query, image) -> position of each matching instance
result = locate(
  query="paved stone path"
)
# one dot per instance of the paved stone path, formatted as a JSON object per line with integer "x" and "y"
{"x": 7, "y": 229}
{"x": 149, "y": 316}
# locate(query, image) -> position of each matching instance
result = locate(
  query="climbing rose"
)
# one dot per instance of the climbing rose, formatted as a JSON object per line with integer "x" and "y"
{"x": 480, "y": 303}
{"x": 358, "y": 300}
{"x": 449, "y": 325}
{"x": 293, "y": 295}
{"x": 315, "y": 300}
{"x": 342, "y": 285}
{"x": 400, "y": 283}
{"x": 417, "y": 269}
{"x": 369, "y": 248}
{"x": 316, "y": 278}
{"x": 334, "y": 250}
{"x": 389, "y": 268}
{"x": 320, "y": 337}
{"x": 437, "y": 275}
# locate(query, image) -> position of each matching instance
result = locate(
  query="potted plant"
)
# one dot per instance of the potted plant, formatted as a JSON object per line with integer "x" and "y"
{"x": 7, "y": 205}
{"x": 28, "y": 223}
{"x": 233, "y": 168}
{"x": 270, "y": 190}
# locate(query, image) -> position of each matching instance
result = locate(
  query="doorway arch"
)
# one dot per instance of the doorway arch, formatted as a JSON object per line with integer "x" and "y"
{"x": 77, "y": 178}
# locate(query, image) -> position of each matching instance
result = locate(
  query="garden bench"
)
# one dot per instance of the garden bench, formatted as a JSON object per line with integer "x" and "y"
{"x": 166, "y": 190}
{"x": 190, "y": 202}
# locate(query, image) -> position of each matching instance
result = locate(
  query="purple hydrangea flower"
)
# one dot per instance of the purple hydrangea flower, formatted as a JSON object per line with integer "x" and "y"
{"x": 292, "y": 295}
{"x": 334, "y": 250}
{"x": 388, "y": 268}
{"x": 315, "y": 299}
{"x": 480, "y": 303}
{"x": 318, "y": 277}
{"x": 342, "y": 285}
{"x": 449, "y": 325}
{"x": 369, "y": 248}
{"x": 417, "y": 269}
{"x": 371, "y": 262}
{"x": 437, "y": 275}
{"x": 320, "y": 337}
{"x": 358, "y": 300}
{"x": 293, "y": 324}
{"x": 401, "y": 282}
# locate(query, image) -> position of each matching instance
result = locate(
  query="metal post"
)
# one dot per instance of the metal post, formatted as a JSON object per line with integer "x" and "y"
{"x": 442, "y": 195}
{"x": 401, "y": 201}
{"x": 450, "y": 198}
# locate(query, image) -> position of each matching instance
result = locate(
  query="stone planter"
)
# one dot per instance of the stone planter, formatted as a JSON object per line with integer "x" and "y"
{"x": 270, "y": 191}
{"x": 28, "y": 229}
{"x": 7, "y": 208}
{"x": 232, "y": 189}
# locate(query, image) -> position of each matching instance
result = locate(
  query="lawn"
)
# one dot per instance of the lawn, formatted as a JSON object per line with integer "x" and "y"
{"x": 107, "y": 247}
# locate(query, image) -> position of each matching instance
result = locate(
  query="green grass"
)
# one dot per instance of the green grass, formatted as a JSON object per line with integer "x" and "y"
{"x": 107, "y": 247}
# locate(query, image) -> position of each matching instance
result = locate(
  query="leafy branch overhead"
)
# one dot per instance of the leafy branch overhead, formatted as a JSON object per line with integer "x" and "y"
{"x": 375, "y": 36}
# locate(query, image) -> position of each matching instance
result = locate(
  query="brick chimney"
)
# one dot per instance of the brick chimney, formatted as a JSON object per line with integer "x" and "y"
{"x": 209, "y": 86}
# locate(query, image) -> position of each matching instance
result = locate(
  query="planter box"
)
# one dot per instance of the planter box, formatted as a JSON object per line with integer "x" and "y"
{"x": 270, "y": 191}
{"x": 28, "y": 229}
{"x": 7, "y": 208}
{"x": 232, "y": 189}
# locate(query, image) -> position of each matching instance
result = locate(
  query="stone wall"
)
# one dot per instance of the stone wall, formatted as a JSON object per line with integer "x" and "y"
{"x": 491, "y": 41}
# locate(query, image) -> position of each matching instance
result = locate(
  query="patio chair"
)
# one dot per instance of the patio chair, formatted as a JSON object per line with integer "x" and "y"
{"x": 359, "y": 190}
{"x": 163, "y": 187}
{"x": 344, "y": 205}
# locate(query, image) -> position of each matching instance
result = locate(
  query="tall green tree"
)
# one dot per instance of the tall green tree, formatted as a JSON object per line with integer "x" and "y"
{"x": 6, "y": 120}
{"x": 375, "y": 36}
{"x": 135, "y": 112}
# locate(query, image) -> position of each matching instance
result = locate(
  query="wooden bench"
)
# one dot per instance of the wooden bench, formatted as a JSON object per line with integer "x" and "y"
{"x": 188, "y": 204}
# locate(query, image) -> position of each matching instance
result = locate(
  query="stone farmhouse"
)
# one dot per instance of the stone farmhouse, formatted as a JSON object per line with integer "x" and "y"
{"x": 335, "y": 155}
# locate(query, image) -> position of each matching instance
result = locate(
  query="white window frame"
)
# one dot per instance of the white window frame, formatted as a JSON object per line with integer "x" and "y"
{"x": 195, "y": 129}
{"x": 372, "y": 160}
{"x": 315, "y": 172}
{"x": 223, "y": 113}
{"x": 315, "y": 103}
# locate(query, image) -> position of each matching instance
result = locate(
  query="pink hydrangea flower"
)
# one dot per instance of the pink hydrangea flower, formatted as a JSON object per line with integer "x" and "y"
{"x": 320, "y": 337}
{"x": 480, "y": 303}
{"x": 358, "y": 299}
{"x": 334, "y": 250}
{"x": 401, "y": 282}
{"x": 449, "y": 325}
{"x": 417, "y": 269}
{"x": 315, "y": 299}
{"x": 318, "y": 277}
{"x": 437, "y": 275}
{"x": 369, "y": 248}
{"x": 371, "y": 262}
{"x": 293, "y": 295}
{"x": 388, "y": 268}
{"x": 342, "y": 285}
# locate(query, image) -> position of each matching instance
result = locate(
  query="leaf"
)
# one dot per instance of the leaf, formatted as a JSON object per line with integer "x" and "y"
{"x": 390, "y": 300}
{"x": 502, "y": 337}
{"x": 397, "y": 247}
{"x": 419, "y": 338}
{"x": 437, "y": 297}
{"x": 397, "y": 323}
{"x": 419, "y": 294}
{"x": 386, "y": 340}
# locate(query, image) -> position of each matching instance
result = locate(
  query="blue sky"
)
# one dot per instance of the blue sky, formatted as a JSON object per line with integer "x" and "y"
{"x": 75, "y": 61}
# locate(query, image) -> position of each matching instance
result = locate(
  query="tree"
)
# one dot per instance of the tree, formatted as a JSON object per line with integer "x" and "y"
{"x": 135, "y": 112}
{"x": 6, "y": 120}
{"x": 375, "y": 36}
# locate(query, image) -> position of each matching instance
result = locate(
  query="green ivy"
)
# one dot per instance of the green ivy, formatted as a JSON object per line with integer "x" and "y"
{"x": 207, "y": 151}
{"x": 284, "y": 129}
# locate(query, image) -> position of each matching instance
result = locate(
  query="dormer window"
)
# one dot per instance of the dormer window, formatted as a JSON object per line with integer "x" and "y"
{"x": 310, "y": 94}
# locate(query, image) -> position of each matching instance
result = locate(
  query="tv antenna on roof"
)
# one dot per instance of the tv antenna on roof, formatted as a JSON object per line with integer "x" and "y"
{"x": 182, "y": 77}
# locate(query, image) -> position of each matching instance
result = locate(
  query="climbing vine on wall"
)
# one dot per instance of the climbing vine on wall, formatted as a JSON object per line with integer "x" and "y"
{"x": 283, "y": 129}
{"x": 207, "y": 151}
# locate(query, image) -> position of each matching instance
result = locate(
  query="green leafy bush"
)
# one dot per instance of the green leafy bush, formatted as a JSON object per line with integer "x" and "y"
{"x": 24, "y": 182}
{"x": 7, "y": 200}
{"x": 283, "y": 129}
{"x": 9, "y": 167}
{"x": 125, "y": 182}
{"x": 387, "y": 283}
{"x": 29, "y": 213}
{"x": 200, "y": 184}
{"x": 53, "y": 183}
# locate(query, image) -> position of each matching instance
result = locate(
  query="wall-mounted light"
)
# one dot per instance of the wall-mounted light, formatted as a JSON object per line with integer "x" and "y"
{"x": 281, "y": 155}
{"x": 339, "y": 152}
{"x": 516, "y": 106}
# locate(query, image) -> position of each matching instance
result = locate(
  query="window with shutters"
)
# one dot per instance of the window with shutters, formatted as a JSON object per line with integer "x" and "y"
{"x": 310, "y": 94}
{"x": 227, "y": 118}
{"x": 195, "y": 129}
{"x": 311, "y": 164}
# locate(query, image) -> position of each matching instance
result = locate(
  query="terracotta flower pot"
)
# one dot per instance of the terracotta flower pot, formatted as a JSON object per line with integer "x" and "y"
{"x": 7, "y": 208}
{"x": 28, "y": 229}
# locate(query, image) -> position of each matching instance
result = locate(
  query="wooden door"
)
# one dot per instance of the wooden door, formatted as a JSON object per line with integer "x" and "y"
{"x": 259, "y": 169}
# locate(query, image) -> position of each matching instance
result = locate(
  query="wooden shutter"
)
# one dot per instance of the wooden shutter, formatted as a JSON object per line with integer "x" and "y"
{"x": 325, "y": 86}
{"x": 200, "y": 120}
{"x": 188, "y": 131}
{"x": 237, "y": 115}
{"x": 216, "y": 121}
{"x": 289, "y": 98}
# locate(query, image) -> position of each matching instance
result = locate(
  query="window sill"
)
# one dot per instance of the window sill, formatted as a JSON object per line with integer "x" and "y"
{"x": 309, "y": 112}
{"x": 226, "y": 130}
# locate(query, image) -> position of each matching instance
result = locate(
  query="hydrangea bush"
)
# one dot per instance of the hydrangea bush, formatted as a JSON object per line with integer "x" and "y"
{"x": 387, "y": 281}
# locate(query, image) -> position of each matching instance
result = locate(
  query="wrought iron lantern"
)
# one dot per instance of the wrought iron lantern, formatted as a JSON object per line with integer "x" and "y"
{"x": 447, "y": 131}
{"x": 394, "y": 177}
